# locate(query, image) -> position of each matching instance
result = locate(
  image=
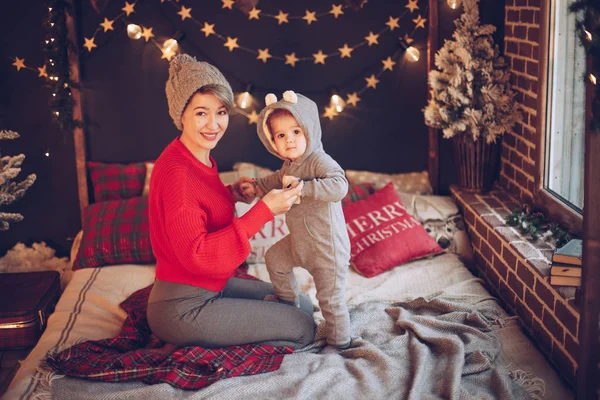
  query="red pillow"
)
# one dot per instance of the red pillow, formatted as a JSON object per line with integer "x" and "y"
{"x": 115, "y": 232}
{"x": 383, "y": 234}
{"x": 117, "y": 181}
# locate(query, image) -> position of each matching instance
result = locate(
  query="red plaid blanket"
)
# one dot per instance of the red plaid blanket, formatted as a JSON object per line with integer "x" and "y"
{"x": 125, "y": 358}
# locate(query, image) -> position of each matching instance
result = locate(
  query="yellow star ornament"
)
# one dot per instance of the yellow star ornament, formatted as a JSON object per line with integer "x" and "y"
{"x": 254, "y": 13}
{"x": 330, "y": 112}
{"x": 388, "y": 64}
{"x": 346, "y": 51}
{"x": 252, "y": 117}
{"x": 393, "y": 23}
{"x": 372, "y": 81}
{"x": 19, "y": 63}
{"x": 147, "y": 33}
{"x": 291, "y": 59}
{"x": 282, "y": 18}
{"x": 310, "y": 17}
{"x": 228, "y": 4}
{"x": 408, "y": 39}
{"x": 208, "y": 29}
{"x": 43, "y": 72}
{"x": 319, "y": 57}
{"x": 168, "y": 54}
{"x": 372, "y": 38}
{"x": 336, "y": 10}
{"x": 419, "y": 22}
{"x": 128, "y": 8}
{"x": 263, "y": 55}
{"x": 185, "y": 13}
{"x": 231, "y": 43}
{"x": 89, "y": 44}
{"x": 107, "y": 25}
{"x": 352, "y": 98}
{"x": 412, "y": 5}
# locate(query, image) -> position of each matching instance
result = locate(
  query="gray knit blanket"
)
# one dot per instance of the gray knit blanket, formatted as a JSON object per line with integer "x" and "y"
{"x": 440, "y": 347}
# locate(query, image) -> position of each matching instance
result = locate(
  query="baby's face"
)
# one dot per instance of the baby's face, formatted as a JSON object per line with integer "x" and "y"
{"x": 289, "y": 138}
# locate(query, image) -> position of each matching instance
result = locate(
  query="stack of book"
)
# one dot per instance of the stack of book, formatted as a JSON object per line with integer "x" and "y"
{"x": 566, "y": 264}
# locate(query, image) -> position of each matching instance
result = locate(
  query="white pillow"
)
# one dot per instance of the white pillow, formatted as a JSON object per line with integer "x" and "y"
{"x": 442, "y": 220}
{"x": 271, "y": 233}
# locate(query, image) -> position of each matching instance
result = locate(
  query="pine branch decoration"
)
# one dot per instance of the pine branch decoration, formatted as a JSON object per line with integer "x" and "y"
{"x": 534, "y": 226}
{"x": 10, "y": 167}
{"x": 470, "y": 87}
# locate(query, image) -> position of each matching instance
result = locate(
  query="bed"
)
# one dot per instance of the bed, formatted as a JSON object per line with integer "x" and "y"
{"x": 418, "y": 325}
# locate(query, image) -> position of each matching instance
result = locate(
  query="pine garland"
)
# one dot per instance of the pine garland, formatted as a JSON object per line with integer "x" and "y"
{"x": 56, "y": 47}
{"x": 589, "y": 34}
{"x": 533, "y": 226}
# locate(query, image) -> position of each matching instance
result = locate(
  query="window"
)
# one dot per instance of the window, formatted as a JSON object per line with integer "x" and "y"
{"x": 565, "y": 111}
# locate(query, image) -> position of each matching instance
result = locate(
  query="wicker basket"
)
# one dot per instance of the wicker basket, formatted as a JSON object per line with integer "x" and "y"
{"x": 477, "y": 162}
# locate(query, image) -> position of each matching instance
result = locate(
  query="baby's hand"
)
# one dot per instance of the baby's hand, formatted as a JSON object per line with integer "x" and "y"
{"x": 289, "y": 182}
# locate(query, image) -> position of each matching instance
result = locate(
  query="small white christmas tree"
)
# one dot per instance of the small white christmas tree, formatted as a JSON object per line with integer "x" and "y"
{"x": 470, "y": 90}
{"x": 11, "y": 191}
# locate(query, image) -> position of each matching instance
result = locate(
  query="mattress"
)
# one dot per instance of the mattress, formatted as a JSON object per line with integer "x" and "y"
{"x": 89, "y": 310}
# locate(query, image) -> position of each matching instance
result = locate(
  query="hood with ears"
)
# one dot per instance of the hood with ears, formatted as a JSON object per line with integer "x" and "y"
{"x": 306, "y": 113}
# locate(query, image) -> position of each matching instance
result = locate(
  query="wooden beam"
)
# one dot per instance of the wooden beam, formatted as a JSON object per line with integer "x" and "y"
{"x": 78, "y": 133}
{"x": 589, "y": 341}
{"x": 434, "y": 145}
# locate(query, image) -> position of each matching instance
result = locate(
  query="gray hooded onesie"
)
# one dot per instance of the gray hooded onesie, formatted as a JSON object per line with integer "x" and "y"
{"x": 318, "y": 239}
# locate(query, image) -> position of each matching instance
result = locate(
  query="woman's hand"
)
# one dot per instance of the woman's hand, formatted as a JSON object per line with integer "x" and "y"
{"x": 244, "y": 190}
{"x": 280, "y": 201}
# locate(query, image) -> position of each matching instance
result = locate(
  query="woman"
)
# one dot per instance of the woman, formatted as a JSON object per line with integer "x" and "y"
{"x": 196, "y": 239}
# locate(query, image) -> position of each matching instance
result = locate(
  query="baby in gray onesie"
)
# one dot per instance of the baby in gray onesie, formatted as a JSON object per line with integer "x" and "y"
{"x": 318, "y": 239}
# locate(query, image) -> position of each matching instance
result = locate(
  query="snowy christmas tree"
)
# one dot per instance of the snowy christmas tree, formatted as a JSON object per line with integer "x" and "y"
{"x": 10, "y": 167}
{"x": 470, "y": 89}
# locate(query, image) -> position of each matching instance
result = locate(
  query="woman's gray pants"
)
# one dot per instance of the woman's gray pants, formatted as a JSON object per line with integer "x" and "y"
{"x": 186, "y": 315}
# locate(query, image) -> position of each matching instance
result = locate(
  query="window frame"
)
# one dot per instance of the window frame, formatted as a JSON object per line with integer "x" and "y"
{"x": 554, "y": 208}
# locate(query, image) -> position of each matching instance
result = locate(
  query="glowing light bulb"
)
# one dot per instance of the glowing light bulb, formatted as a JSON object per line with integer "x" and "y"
{"x": 244, "y": 100}
{"x": 53, "y": 94}
{"x": 592, "y": 79}
{"x": 454, "y": 4}
{"x": 413, "y": 53}
{"x": 588, "y": 35}
{"x": 56, "y": 113}
{"x": 170, "y": 46}
{"x": 49, "y": 8}
{"x": 47, "y": 154}
{"x": 134, "y": 31}
{"x": 337, "y": 103}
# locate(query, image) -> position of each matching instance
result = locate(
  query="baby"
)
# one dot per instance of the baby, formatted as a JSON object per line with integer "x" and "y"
{"x": 318, "y": 239}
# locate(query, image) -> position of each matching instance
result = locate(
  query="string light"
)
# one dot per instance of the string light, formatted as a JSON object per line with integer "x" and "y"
{"x": 413, "y": 53}
{"x": 134, "y": 31}
{"x": 244, "y": 99}
{"x": 337, "y": 103}
{"x": 47, "y": 153}
{"x": 454, "y": 4}
{"x": 588, "y": 35}
{"x": 592, "y": 79}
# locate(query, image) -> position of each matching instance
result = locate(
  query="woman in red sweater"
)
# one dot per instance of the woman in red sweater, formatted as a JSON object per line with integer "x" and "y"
{"x": 196, "y": 239}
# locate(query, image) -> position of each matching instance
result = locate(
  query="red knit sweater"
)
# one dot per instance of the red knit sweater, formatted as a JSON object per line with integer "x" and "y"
{"x": 195, "y": 238}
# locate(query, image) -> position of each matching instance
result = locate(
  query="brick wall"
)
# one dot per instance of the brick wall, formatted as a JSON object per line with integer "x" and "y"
{"x": 517, "y": 271}
{"x": 521, "y": 48}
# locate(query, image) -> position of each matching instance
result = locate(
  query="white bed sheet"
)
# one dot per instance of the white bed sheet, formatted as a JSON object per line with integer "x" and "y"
{"x": 89, "y": 310}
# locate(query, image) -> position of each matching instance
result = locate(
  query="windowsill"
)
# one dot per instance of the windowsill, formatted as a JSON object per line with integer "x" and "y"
{"x": 493, "y": 207}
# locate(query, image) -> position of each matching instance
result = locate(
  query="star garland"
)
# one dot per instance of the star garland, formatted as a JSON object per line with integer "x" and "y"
{"x": 589, "y": 34}
{"x": 291, "y": 59}
{"x": 284, "y": 18}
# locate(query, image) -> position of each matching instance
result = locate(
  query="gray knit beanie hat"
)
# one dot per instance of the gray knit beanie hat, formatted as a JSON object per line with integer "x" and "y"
{"x": 186, "y": 76}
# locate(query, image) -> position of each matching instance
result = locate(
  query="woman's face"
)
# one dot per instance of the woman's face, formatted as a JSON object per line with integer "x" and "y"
{"x": 204, "y": 121}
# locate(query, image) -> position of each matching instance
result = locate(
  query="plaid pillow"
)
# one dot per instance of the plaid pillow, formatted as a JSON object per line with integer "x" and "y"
{"x": 115, "y": 232}
{"x": 358, "y": 191}
{"x": 116, "y": 181}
